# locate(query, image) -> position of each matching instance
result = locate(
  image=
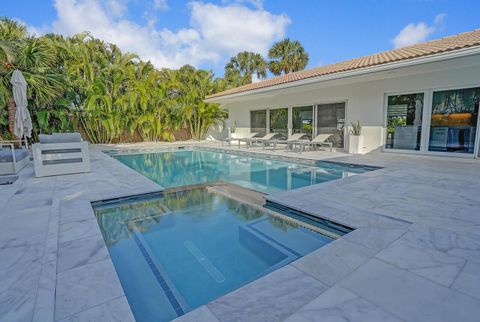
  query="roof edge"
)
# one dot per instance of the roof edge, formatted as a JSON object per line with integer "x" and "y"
{"x": 462, "y": 52}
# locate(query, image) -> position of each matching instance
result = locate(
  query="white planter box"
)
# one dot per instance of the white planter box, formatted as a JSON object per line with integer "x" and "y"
{"x": 355, "y": 144}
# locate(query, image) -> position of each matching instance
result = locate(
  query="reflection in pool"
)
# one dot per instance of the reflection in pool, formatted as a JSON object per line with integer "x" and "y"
{"x": 188, "y": 167}
{"x": 178, "y": 251}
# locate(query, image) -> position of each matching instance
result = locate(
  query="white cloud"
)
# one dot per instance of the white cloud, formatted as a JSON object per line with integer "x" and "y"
{"x": 215, "y": 32}
{"x": 415, "y": 33}
{"x": 233, "y": 28}
{"x": 255, "y": 3}
{"x": 161, "y": 5}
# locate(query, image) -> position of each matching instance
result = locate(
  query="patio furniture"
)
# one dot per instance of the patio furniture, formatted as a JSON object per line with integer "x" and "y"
{"x": 60, "y": 153}
{"x": 319, "y": 140}
{"x": 250, "y": 141}
{"x": 13, "y": 157}
{"x": 229, "y": 140}
{"x": 294, "y": 138}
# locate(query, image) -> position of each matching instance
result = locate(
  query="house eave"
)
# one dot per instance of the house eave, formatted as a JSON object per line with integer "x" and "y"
{"x": 357, "y": 72}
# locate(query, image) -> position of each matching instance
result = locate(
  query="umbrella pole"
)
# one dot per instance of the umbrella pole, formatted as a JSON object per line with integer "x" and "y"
{"x": 12, "y": 108}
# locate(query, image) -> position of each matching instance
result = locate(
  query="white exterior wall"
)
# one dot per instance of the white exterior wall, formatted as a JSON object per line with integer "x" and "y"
{"x": 365, "y": 99}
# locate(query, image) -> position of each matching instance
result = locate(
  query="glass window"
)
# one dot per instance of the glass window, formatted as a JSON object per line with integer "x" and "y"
{"x": 331, "y": 120}
{"x": 258, "y": 122}
{"x": 454, "y": 120}
{"x": 404, "y": 121}
{"x": 279, "y": 121}
{"x": 302, "y": 120}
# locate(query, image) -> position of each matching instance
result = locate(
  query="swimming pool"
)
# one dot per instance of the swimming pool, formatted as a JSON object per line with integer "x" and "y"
{"x": 176, "y": 251}
{"x": 175, "y": 168}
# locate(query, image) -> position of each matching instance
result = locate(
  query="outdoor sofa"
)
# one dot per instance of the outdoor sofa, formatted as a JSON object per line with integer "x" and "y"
{"x": 60, "y": 153}
{"x": 13, "y": 156}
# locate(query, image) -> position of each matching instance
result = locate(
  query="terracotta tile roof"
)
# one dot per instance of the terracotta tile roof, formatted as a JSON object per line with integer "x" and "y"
{"x": 443, "y": 45}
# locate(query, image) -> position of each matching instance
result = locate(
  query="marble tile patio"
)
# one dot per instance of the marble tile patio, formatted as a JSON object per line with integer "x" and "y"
{"x": 414, "y": 256}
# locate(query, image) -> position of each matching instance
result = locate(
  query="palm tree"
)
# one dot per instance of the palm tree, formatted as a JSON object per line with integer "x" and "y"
{"x": 287, "y": 56}
{"x": 36, "y": 58}
{"x": 240, "y": 69}
{"x": 85, "y": 84}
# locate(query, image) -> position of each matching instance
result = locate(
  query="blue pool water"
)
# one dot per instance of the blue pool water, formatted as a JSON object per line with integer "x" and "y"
{"x": 178, "y": 251}
{"x": 187, "y": 167}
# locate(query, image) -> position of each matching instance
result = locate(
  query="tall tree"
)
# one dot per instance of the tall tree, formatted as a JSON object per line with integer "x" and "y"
{"x": 85, "y": 84}
{"x": 287, "y": 56}
{"x": 241, "y": 68}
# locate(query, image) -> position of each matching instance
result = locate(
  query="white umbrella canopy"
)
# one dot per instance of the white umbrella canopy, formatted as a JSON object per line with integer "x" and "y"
{"x": 23, "y": 121}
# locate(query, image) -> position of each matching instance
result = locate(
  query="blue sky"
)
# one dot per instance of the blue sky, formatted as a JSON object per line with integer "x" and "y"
{"x": 205, "y": 33}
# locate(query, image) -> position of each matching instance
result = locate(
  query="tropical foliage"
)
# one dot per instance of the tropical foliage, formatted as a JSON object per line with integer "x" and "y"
{"x": 82, "y": 83}
{"x": 242, "y": 67}
{"x": 287, "y": 56}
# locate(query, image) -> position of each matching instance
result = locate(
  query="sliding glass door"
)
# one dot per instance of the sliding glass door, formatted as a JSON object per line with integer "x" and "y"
{"x": 302, "y": 120}
{"x": 258, "y": 122}
{"x": 331, "y": 120}
{"x": 279, "y": 121}
{"x": 404, "y": 121}
{"x": 454, "y": 118}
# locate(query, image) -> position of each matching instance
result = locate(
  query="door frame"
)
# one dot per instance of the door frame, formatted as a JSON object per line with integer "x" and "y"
{"x": 345, "y": 126}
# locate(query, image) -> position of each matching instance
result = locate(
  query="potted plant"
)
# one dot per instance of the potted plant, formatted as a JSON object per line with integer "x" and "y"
{"x": 355, "y": 139}
{"x": 233, "y": 129}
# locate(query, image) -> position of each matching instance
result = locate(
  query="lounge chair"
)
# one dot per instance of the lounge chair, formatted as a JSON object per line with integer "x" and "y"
{"x": 251, "y": 141}
{"x": 60, "y": 153}
{"x": 294, "y": 138}
{"x": 229, "y": 140}
{"x": 13, "y": 156}
{"x": 319, "y": 140}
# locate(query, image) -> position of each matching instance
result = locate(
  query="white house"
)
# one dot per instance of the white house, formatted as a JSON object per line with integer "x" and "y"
{"x": 417, "y": 99}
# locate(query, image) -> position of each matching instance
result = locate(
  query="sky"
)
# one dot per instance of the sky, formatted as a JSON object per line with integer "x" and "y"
{"x": 205, "y": 34}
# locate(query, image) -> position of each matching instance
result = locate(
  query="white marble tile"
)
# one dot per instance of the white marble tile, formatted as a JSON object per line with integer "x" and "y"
{"x": 80, "y": 252}
{"x": 334, "y": 261}
{"x": 459, "y": 244}
{"x": 75, "y": 210}
{"x": 201, "y": 314}
{"x": 374, "y": 237}
{"x": 18, "y": 251}
{"x": 17, "y": 306}
{"x": 338, "y": 304}
{"x": 45, "y": 299}
{"x": 426, "y": 262}
{"x": 271, "y": 298}
{"x": 409, "y": 296}
{"x": 116, "y": 310}
{"x": 25, "y": 224}
{"x": 468, "y": 281}
{"x": 84, "y": 287}
{"x": 78, "y": 230}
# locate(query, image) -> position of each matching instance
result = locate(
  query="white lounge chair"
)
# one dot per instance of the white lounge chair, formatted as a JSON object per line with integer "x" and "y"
{"x": 294, "y": 138}
{"x": 231, "y": 139}
{"x": 13, "y": 156}
{"x": 251, "y": 141}
{"x": 319, "y": 140}
{"x": 60, "y": 153}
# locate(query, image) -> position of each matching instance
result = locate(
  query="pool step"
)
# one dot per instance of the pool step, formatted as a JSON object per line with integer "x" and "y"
{"x": 237, "y": 193}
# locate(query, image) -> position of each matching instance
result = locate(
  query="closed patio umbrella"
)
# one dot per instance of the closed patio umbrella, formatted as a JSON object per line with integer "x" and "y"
{"x": 23, "y": 121}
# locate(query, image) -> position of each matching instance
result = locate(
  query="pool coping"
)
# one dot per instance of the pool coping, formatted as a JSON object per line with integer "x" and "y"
{"x": 70, "y": 199}
{"x": 203, "y": 312}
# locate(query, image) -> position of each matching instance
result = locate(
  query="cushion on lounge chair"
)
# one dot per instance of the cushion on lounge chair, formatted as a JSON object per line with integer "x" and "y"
{"x": 6, "y": 155}
{"x": 60, "y": 138}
